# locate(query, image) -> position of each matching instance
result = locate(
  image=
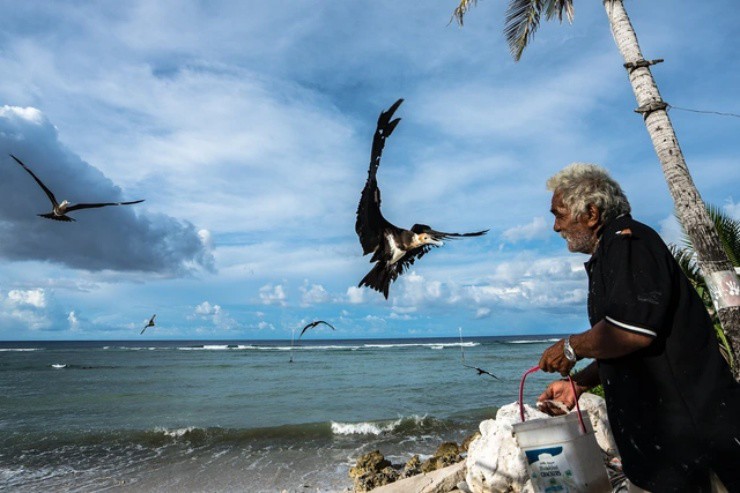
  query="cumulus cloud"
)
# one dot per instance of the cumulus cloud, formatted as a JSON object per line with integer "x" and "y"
{"x": 482, "y": 312}
{"x": 273, "y": 295}
{"x": 526, "y": 232}
{"x": 311, "y": 295}
{"x": 355, "y": 295}
{"x": 214, "y": 314}
{"x": 33, "y": 297}
{"x": 26, "y": 308}
{"x": 74, "y": 323}
{"x": 114, "y": 238}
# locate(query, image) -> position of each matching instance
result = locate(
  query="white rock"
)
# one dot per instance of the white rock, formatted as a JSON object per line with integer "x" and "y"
{"x": 596, "y": 407}
{"x": 495, "y": 463}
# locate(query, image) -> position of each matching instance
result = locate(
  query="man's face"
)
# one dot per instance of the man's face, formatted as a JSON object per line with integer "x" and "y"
{"x": 580, "y": 234}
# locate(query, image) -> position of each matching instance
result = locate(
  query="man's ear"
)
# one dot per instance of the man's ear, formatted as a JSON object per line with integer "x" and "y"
{"x": 593, "y": 216}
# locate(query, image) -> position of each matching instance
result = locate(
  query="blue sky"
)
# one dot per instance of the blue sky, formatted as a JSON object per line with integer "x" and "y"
{"x": 247, "y": 126}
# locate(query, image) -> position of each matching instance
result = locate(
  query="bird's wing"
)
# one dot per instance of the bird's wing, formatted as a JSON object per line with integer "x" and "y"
{"x": 441, "y": 235}
{"x": 142, "y": 330}
{"x": 370, "y": 221}
{"x": 41, "y": 184}
{"x": 391, "y": 271}
{"x": 481, "y": 371}
{"x": 327, "y": 324}
{"x": 308, "y": 326}
{"x": 77, "y": 207}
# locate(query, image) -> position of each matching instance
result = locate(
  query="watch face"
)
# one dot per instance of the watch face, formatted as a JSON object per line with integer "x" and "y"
{"x": 569, "y": 353}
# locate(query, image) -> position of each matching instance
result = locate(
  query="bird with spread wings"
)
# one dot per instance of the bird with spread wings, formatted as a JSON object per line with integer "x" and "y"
{"x": 314, "y": 324}
{"x": 60, "y": 210}
{"x": 394, "y": 249}
{"x": 150, "y": 323}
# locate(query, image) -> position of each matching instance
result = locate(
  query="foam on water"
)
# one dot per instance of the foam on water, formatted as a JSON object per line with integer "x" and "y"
{"x": 20, "y": 349}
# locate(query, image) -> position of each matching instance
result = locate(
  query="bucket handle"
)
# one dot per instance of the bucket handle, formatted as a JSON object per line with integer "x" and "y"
{"x": 572, "y": 386}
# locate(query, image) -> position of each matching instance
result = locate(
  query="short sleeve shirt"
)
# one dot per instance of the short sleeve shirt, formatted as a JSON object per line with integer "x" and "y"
{"x": 657, "y": 397}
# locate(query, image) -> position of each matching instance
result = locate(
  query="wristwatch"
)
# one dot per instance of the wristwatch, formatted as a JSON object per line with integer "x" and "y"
{"x": 570, "y": 355}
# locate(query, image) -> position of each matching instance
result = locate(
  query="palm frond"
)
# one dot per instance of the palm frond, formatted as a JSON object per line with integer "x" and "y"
{"x": 462, "y": 9}
{"x": 523, "y": 19}
{"x": 728, "y": 230}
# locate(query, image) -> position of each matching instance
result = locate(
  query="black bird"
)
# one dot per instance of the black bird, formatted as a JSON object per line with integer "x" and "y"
{"x": 59, "y": 210}
{"x": 150, "y": 323}
{"x": 394, "y": 249}
{"x": 314, "y": 324}
{"x": 481, "y": 371}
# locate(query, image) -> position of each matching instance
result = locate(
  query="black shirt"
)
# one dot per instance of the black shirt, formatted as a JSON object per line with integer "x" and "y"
{"x": 660, "y": 398}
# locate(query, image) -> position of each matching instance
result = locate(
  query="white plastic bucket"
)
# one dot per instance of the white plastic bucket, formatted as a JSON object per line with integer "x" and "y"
{"x": 562, "y": 453}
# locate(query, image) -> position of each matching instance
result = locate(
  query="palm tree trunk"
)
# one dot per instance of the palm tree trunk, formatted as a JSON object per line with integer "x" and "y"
{"x": 689, "y": 206}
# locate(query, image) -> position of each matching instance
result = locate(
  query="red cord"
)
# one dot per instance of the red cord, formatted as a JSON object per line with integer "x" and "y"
{"x": 572, "y": 386}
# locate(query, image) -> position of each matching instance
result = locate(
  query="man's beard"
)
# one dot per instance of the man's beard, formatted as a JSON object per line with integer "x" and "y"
{"x": 581, "y": 241}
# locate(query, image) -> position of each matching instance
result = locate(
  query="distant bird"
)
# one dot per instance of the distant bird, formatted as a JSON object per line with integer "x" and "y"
{"x": 481, "y": 371}
{"x": 150, "y": 323}
{"x": 60, "y": 210}
{"x": 314, "y": 324}
{"x": 394, "y": 249}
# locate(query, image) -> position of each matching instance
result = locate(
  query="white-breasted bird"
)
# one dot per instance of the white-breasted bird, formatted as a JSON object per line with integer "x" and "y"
{"x": 60, "y": 209}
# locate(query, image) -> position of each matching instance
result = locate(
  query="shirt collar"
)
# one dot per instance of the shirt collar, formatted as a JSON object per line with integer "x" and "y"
{"x": 606, "y": 232}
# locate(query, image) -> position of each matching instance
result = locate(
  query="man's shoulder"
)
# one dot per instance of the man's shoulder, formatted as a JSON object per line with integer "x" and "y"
{"x": 626, "y": 227}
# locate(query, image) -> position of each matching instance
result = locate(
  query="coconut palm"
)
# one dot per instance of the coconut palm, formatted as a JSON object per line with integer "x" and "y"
{"x": 729, "y": 235}
{"x": 522, "y": 20}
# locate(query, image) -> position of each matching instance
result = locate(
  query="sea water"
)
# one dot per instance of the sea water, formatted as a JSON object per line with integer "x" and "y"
{"x": 239, "y": 415}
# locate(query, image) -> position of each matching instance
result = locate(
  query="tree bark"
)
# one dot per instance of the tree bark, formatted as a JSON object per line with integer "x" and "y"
{"x": 689, "y": 206}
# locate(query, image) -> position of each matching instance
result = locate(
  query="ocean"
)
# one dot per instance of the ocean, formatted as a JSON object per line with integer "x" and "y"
{"x": 160, "y": 416}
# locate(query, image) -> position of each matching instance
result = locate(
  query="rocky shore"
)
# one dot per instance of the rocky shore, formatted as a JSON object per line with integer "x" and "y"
{"x": 489, "y": 461}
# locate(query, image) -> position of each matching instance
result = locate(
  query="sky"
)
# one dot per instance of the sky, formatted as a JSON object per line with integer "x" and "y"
{"x": 246, "y": 127}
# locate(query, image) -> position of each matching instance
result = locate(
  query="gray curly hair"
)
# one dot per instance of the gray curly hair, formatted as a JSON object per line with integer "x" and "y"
{"x": 582, "y": 184}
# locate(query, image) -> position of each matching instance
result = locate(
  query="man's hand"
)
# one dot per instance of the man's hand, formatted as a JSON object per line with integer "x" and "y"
{"x": 560, "y": 392}
{"x": 554, "y": 360}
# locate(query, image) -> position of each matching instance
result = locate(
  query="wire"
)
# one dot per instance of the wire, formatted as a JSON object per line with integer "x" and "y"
{"x": 670, "y": 106}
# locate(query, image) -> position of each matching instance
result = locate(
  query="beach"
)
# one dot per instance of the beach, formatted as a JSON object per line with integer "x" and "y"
{"x": 236, "y": 415}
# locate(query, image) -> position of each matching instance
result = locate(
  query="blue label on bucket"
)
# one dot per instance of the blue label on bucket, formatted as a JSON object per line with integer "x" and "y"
{"x": 550, "y": 471}
{"x": 534, "y": 455}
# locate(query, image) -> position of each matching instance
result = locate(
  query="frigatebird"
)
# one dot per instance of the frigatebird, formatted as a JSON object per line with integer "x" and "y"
{"x": 481, "y": 371}
{"x": 394, "y": 249}
{"x": 314, "y": 324}
{"x": 60, "y": 210}
{"x": 150, "y": 323}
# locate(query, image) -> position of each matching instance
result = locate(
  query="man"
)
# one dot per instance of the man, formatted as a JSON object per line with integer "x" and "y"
{"x": 673, "y": 405}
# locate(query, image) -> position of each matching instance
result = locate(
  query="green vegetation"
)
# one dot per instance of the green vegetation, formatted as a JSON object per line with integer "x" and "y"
{"x": 729, "y": 234}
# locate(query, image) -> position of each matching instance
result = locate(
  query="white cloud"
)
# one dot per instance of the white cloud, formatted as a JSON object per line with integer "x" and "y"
{"x": 273, "y": 295}
{"x": 313, "y": 295}
{"x": 32, "y": 297}
{"x": 482, "y": 312}
{"x": 537, "y": 229}
{"x": 74, "y": 323}
{"x": 355, "y": 295}
{"x": 214, "y": 314}
{"x": 126, "y": 238}
{"x": 206, "y": 308}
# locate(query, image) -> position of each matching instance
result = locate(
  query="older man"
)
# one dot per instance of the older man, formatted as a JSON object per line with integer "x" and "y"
{"x": 673, "y": 405}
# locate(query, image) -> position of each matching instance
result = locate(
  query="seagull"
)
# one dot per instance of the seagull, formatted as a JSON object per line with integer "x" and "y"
{"x": 59, "y": 210}
{"x": 150, "y": 323}
{"x": 481, "y": 371}
{"x": 314, "y": 324}
{"x": 394, "y": 249}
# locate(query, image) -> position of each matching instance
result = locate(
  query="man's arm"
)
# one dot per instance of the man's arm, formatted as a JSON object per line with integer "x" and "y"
{"x": 602, "y": 341}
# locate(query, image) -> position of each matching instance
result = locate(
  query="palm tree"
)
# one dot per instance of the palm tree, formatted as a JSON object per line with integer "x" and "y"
{"x": 522, "y": 20}
{"x": 729, "y": 234}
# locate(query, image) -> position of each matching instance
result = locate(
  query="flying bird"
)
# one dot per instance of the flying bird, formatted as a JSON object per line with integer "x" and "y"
{"x": 314, "y": 324}
{"x": 150, "y": 323}
{"x": 394, "y": 249}
{"x": 60, "y": 210}
{"x": 481, "y": 371}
